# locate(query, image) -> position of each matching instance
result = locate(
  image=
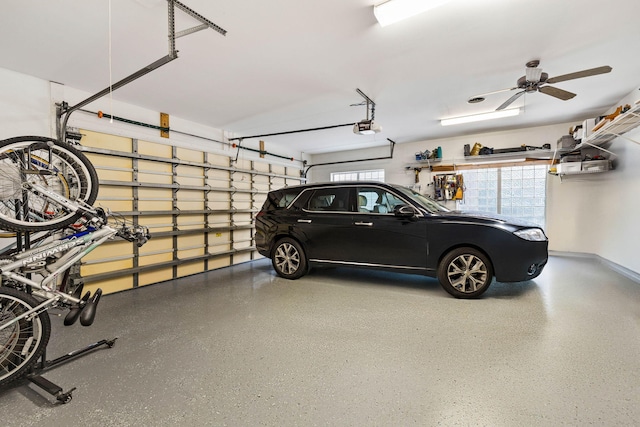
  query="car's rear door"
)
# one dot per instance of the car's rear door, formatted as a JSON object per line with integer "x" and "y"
{"x": 325, "y": 222}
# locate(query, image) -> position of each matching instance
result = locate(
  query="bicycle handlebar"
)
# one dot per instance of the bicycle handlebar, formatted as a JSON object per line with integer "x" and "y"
{"x": 138, "y": 234}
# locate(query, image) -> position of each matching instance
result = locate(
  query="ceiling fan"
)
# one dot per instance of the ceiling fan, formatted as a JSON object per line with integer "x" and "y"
{"x": 535, "y": 80}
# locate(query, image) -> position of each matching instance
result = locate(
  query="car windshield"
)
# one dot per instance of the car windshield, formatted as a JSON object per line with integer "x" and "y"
{"x": 430, "y": 205}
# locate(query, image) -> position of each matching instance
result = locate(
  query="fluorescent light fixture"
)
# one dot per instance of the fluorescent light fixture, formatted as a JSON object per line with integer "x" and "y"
{"x": 392, "y": 11}
{"x": 480, "y": 117}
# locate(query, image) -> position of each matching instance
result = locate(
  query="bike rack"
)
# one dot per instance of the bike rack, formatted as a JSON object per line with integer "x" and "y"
{"x": 44, "y": 365}
{"x": 23, "y": 242}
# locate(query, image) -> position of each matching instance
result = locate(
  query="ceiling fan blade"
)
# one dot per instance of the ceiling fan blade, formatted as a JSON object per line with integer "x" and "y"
{"x": 558, "y": 93}
{"x": 580, "y": 74}
{"x": 510, "y": 101}
{"x": 482, "y": 95}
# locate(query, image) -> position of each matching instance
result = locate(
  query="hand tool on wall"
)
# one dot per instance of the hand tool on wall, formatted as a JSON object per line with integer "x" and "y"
{"x": 416, "y": 172}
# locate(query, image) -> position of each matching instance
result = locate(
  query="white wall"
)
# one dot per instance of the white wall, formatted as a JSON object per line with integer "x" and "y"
{"x": 24, "y": 105}
{"x": 594, "y": 214}
{"x": 452, "y": 153}
{"x": 598, "y": 214}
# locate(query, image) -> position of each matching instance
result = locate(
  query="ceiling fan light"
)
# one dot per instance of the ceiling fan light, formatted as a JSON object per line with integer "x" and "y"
{"x": 392, "y": 11}
{"x": 479, "y": 117}
{"x": 533, "y": 74}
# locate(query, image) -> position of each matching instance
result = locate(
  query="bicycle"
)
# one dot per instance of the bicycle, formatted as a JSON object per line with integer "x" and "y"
{"x": 36, "y": 176}
{"x": 31, "y": 164}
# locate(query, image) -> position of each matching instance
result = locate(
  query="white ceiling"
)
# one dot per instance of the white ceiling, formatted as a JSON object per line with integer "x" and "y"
{"x": 295, "y": 64}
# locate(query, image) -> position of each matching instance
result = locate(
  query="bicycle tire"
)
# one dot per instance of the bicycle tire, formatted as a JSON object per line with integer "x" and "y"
{"x": 52, "y": 164}
{"x": 22, "y": 343}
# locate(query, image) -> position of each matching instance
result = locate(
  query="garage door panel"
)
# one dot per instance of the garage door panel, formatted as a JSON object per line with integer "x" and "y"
{"x": 163, "y": 244}
{"x": 154, "y": 149}
{"x": 111, "y": 285}
{"x": 219, "y": 263}
{"x": 116, "y": 248}
{"x": 189, "y": 155}
{"x": 190, "y": 268}
{"x": 156, "y": 276}
{"x": 155, "y": 199}
{"x": 103, "y": 140}
{"x": 161, "y": 258}
{"x": 156, "y": 224}
{"x": 106, "y": 267}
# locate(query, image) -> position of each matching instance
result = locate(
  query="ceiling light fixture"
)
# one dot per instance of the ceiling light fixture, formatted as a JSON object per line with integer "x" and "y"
{"x": 479, "y": 117}
{"x": 392, "y": 11}
{"x": 366, "y": 127}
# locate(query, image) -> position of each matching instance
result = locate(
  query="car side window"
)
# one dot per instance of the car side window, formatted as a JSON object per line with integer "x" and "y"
{"x": 332, "y": 199}
{"x": 280, "y": 199}
{"x": 286, "y": 199}
{"x": 376, "y": 200}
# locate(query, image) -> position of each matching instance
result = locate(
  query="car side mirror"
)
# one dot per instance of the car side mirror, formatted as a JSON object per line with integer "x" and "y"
{"x": 404, "y": 211}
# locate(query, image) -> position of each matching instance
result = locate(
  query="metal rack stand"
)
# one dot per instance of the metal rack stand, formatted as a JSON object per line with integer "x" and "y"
{"x": 44, "y": 365}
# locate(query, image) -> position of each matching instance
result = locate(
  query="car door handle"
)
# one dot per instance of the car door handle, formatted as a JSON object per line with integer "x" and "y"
{"x": 367, "y": 224}
{"x": 307, "y": 221}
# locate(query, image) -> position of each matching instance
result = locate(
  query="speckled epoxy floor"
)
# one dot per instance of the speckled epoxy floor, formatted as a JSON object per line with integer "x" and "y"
{"x": 240, "y": 346}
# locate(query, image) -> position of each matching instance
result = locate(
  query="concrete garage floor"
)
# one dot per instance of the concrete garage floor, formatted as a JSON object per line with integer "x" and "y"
{"x": 240, "y": 346}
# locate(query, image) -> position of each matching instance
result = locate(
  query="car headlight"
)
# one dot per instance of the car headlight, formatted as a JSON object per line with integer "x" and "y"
{"x": 532, "y": 234}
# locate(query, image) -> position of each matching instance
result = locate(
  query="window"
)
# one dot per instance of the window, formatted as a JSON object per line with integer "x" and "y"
{"x": 516, "y": 192}
{"x": 370, "y": 175}
{"x": 280, "y": 199}
{"x": 376, "y": 200}
{"x": 329, "y": 199}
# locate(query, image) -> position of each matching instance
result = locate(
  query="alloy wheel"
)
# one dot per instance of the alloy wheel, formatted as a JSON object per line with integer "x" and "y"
{"x": 287, "y": 258}
{"x": 467, "y": 273}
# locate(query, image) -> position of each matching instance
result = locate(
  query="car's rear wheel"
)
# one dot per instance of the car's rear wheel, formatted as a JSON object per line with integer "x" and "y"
{"x": 288, "y": 259}
{"x": 465, "y": 273}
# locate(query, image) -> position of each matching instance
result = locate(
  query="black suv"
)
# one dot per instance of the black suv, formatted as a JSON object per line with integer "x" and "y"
{"x": 376, "y": 225}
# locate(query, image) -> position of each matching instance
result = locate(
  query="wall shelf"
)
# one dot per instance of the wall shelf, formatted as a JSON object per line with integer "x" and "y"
{"x": 622, "y": 124}
{"x": 526, "y": 154}
{"x": 580, "y": 172}
{"x": 426, "y": 163}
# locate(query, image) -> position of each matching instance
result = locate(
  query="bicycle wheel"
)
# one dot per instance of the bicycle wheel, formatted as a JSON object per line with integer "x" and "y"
{"x": 49, "y": 163}
{"x": 22, "y": 343}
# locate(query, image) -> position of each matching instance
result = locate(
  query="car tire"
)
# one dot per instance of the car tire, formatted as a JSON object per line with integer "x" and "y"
{"x": 465, "y": 273}
{"x": 288, "y": 259}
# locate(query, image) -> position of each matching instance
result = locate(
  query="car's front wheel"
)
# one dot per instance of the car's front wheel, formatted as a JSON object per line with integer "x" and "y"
{"x": 288, "y": 259}
{"x": 465, "y": 273}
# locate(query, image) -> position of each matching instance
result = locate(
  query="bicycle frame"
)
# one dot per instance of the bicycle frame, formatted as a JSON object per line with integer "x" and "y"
{"x": 73, "y": 248}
